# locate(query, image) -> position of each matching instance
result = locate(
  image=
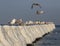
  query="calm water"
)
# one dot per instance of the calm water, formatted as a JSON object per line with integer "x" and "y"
{"x": 52, "y": 39}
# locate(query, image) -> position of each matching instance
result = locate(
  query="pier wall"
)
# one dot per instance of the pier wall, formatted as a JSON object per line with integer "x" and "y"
{"x": 22, "y": 35}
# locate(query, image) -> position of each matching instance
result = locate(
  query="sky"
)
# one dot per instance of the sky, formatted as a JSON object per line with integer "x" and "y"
{"x": 18, "y": 9}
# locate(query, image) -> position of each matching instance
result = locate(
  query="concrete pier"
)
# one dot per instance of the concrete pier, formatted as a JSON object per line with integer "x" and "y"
{"x": 23, "y": 35}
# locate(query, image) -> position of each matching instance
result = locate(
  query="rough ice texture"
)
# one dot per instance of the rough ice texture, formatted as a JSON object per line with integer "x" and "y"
{"x": 22, "y": 35}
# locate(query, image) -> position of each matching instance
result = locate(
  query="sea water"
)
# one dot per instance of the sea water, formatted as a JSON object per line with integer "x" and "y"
{"x": 52, "y": 39}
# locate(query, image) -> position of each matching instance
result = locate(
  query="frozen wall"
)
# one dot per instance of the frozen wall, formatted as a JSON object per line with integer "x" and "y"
{"x": 22, "y": 35}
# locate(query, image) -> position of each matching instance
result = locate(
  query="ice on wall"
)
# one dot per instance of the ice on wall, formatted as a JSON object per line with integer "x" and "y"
{"x": 22, "y": 35}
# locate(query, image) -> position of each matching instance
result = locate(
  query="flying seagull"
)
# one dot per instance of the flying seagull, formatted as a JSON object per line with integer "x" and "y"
{"x": 35, "y": 4}
{"x": 39, "y": 12}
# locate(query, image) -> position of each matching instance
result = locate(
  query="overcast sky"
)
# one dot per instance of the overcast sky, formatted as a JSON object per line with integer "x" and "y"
{"x": 10, "y": 9}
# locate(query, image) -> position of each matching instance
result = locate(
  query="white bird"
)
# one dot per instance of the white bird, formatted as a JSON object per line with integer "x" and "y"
{"x": 13, "y": 21}
{"x": 30, "y": 22}
{"x": 39, "y": 12}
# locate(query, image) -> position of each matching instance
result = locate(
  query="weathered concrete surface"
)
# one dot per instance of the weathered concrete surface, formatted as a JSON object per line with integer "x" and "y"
{"x": 22, "y": 35}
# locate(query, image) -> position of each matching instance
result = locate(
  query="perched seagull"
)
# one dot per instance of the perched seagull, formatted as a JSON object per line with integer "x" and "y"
{"x": 35, "y": 4}
{"x": 16, "y": 21}
{"x": 19, "y": 21}
{"x": 13, "y": 21}
{"x": 39, "y": 12}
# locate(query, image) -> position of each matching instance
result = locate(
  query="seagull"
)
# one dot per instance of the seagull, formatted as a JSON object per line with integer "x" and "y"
{"x": 39, "y": 12}
{"x": 13, "y": 21}
{"x": 36, "y": 4}
{"x": 19, "y": 21}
